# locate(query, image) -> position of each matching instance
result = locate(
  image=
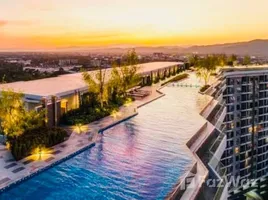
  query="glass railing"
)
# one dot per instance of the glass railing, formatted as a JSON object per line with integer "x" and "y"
{"x": 222, "y": 173}
{"x": 217, "y": 143}
{"x": 215, "y": 192}
{"x": 220, "y": 190}
{"x": 217, "y": 115}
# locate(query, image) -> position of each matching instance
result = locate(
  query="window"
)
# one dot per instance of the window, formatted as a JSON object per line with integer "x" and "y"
{"x": 236, "y": 150}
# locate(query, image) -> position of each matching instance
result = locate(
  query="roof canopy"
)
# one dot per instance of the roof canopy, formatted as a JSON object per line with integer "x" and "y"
{"x": 66, "y": 84}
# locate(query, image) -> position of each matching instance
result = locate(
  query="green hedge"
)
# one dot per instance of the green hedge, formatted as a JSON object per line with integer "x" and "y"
{"x": 156, "y": 80}
{"x": 177, "y": 78}
{"x": 79, "y": 116}
{"x": 23, "y": 145}
{"x": 87, "y": 114}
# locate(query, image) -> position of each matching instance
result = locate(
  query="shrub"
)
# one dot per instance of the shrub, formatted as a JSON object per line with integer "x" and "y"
{"x": 87, "y": 114}
{"x": 149, "y": 83}
{"x": 176, "y": 78}
{"x": 179, "y": 77}
{"x": 23, "y": 145}
{"x": 156, "y": 80}
{"x": 204, "y": 88}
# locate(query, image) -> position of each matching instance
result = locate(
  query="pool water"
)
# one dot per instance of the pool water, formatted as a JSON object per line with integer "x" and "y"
{"x": 141, "y": 158}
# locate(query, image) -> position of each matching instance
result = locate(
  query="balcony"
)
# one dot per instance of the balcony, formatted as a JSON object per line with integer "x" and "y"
{"x": 217, "y": 150}
{"x": 219, "y": 98}
{"x": 207, "y": 146}
{"x": 219, "y": 118}
{"x": 192, "y": 183}
{"x": 210, "y": 153}
{"x": 212, "y": 107}
{"x": 217, "y": 115}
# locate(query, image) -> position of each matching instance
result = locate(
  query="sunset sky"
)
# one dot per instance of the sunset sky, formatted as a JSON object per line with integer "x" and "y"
{"x": 46, "y": 24}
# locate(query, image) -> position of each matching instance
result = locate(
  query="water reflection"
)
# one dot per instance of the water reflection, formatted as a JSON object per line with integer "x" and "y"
{"x": 141, "y": 158}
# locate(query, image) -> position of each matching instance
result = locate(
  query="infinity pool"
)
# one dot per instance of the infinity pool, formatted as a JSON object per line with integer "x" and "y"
{"x": 141, "y": 158}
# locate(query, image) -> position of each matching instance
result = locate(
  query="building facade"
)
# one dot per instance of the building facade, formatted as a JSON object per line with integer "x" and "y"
{"x": 246, "y": 154}
{"x": 231, "y": 150}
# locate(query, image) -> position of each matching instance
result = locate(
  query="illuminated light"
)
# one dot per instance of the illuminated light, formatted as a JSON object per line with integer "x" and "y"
{"x": 116, "y": 114}
{"x": 119, "y": 114}
{"x": 236, "y": 150}
{"x": 247, "y": 162}
{"x": 8, "y": 145}
{"x": 40, "y": 153}
{"x": 266, "y": 140}
{"x": 255, "y": 129}
{"x": 78, "y": 128}
{"x": 128, "y": 102}
{"x": 113, "y": 113}
{"x": 259, "y": 128}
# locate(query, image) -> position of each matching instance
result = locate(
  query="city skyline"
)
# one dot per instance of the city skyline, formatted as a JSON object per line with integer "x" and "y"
{"x": 27, "y": 24}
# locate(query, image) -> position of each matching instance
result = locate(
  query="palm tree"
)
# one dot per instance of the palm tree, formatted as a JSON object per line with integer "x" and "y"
{"x": 97, "y": 84}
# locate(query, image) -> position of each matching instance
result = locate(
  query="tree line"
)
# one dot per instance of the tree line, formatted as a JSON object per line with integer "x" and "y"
{"x": 206, "y": 66}
{"x": 11, "y": 72}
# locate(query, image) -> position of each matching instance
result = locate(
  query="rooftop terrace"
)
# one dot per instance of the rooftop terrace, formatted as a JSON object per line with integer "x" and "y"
{"x": 62, "y": 85}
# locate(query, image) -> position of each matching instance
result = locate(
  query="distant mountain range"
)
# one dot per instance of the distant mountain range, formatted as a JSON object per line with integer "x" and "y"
{"x": 257, "y": 47}
{"x": 254, "y": 47}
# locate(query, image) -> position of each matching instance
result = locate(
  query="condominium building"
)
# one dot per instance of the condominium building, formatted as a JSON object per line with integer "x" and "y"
{"x": 231, "y": 150}
{"x": 246, "y": 157}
